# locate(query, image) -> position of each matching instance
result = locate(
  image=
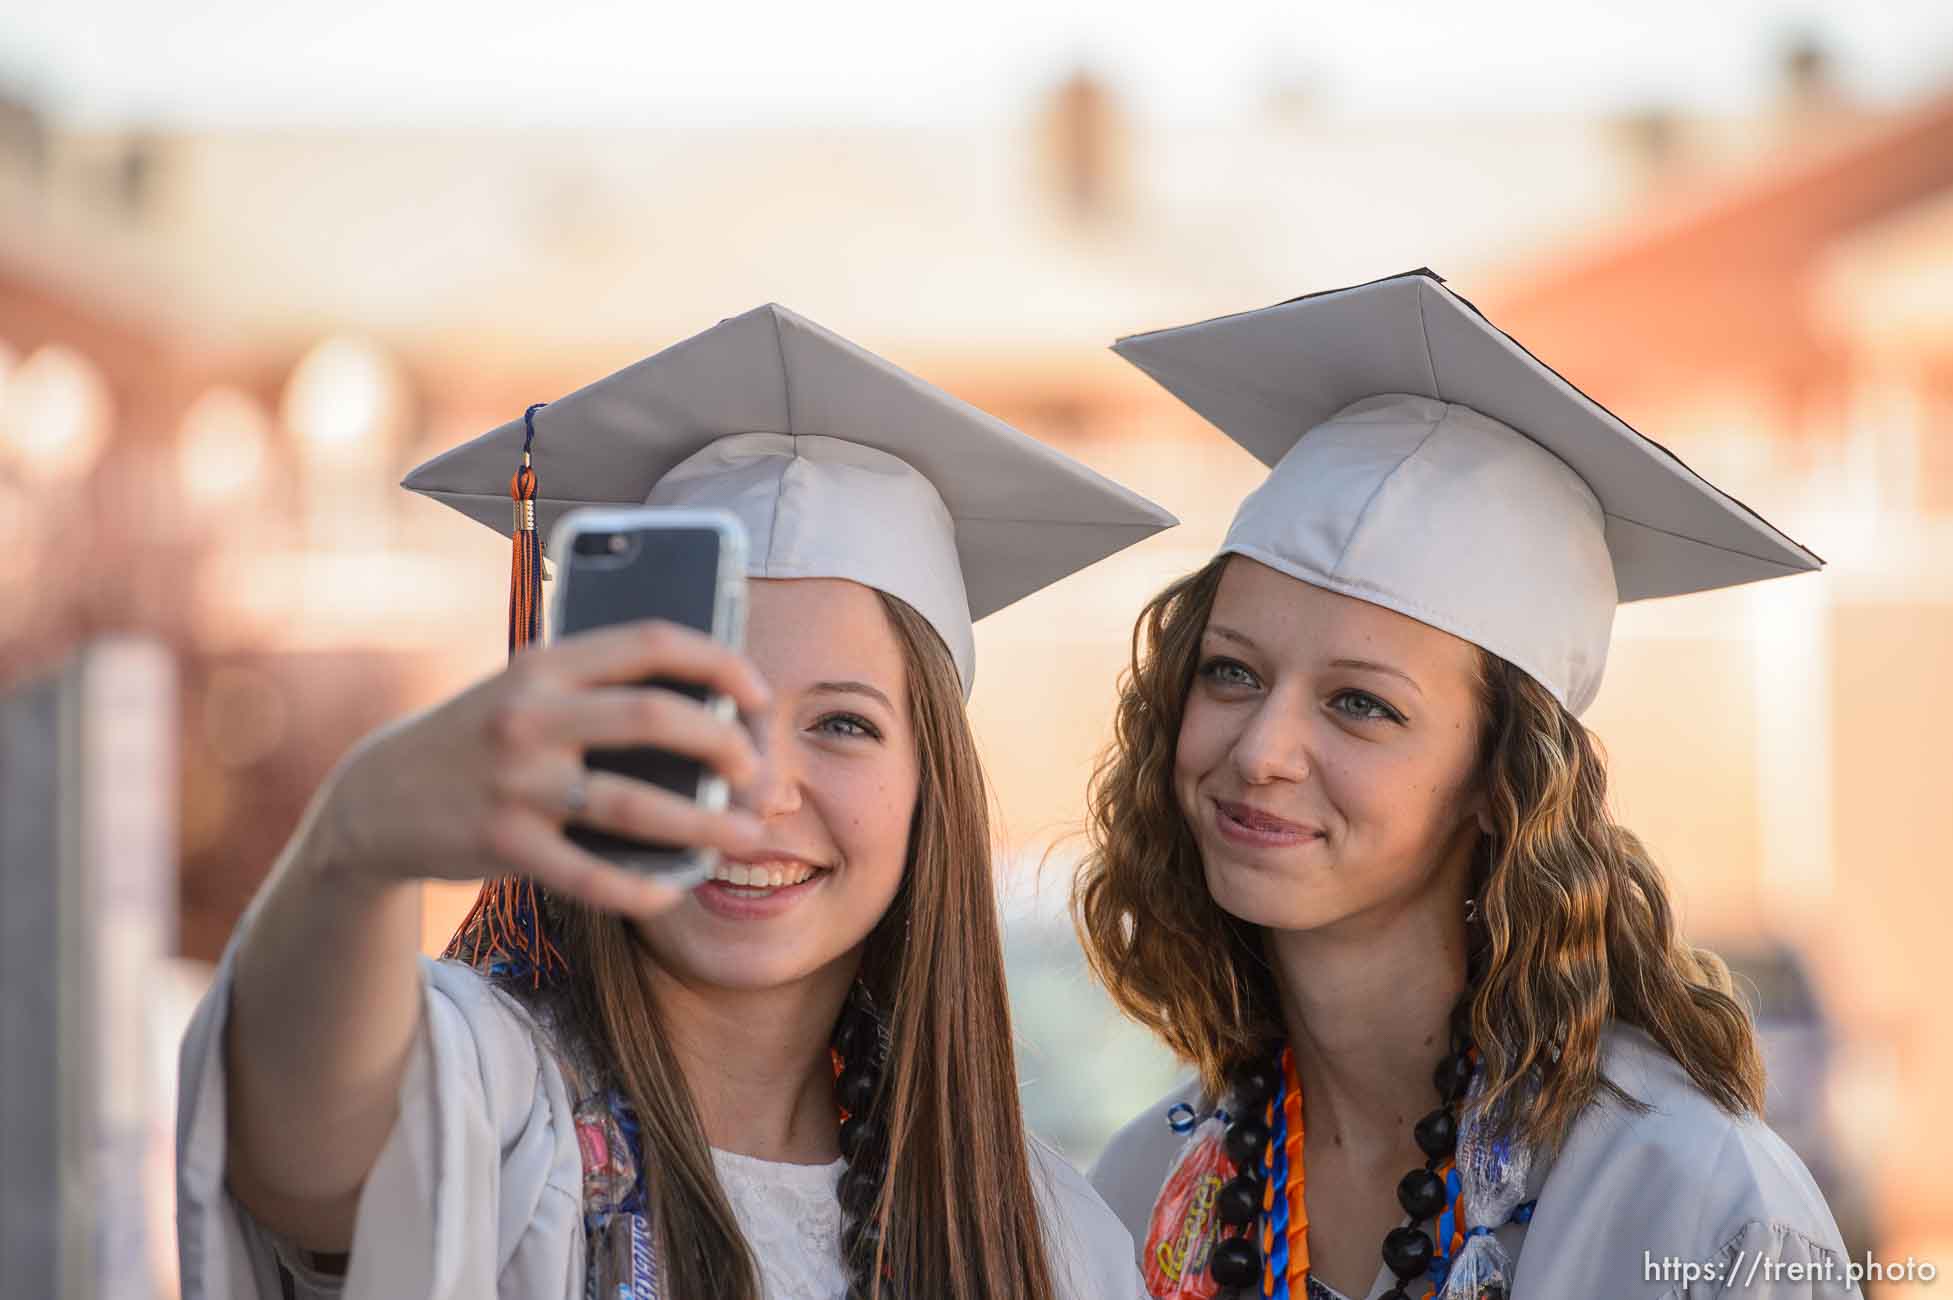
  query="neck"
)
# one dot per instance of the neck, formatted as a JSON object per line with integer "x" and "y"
{"x": 1368, "y": 1008}
{"x": 757, "y": 1063}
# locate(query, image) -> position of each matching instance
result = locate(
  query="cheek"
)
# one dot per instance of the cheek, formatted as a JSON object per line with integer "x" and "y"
{"x": 1407, "y": 801}
{"x": 1202, "y": 744}
{"x": 869, "y": 815}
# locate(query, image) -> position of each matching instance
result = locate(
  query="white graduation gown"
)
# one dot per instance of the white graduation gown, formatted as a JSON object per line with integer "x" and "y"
{"x": 478, "y": 1191}
{"x": 1683, "y": 1182}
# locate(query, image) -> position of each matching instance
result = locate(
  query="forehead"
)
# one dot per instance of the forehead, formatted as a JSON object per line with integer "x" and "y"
{"x": 805, "y": 630}
{"x": 1288, "y": 617}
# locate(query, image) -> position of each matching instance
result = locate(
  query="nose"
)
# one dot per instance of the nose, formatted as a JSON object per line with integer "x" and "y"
{"x": 1273, "y": 746}
{"x": 775, "y": 791}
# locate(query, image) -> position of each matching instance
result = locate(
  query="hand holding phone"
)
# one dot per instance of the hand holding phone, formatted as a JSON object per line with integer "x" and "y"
{"x": 477, "y": 785}
{"x": 684, "y": 567}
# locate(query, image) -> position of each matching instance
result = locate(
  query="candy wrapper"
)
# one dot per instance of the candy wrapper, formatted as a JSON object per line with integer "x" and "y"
{"x": 1185, "y": 1223}
{"x": 1493, "y": 1174}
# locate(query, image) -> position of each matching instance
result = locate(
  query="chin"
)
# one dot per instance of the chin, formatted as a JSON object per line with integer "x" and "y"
{"x": 754, "y": 955}
{"x": 751, "y": 977}
{"x": 739, "y": 968}
{"x": 1272, "y": 899}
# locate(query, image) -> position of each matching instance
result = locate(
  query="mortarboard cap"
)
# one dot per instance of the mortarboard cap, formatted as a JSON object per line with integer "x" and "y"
{"x": 1426, "y": 462}
{"x": 839, "y": 464}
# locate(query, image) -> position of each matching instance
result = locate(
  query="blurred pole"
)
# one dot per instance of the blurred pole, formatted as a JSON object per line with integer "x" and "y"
{"x": 87, "y": 911}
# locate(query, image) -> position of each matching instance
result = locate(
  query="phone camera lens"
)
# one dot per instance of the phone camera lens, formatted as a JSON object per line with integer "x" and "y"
{"x": 618, "y": 543}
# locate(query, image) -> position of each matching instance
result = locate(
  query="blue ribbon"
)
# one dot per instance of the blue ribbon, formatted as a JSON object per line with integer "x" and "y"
{"x": 1278, "y": 1179}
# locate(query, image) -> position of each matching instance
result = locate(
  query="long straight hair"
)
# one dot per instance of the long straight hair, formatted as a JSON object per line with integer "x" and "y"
{"x": 958, "y": 1215}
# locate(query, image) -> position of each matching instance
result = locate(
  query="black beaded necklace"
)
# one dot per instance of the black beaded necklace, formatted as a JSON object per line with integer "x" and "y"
{"x": 1238, "y": 1261}
{"x": 860, "y": 1047}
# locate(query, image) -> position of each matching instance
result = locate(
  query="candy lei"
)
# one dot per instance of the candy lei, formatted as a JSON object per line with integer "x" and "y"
{"x": 1232, "y": 1219}
{"x": 1434, "y": 1193}
{"x": 1284, "y": 1218}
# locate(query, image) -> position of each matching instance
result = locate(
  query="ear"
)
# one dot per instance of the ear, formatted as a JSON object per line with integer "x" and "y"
{"x": 1479, "y": 809}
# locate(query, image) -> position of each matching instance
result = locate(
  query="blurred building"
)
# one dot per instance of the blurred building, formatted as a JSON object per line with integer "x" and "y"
{"x": 219, "y": 350}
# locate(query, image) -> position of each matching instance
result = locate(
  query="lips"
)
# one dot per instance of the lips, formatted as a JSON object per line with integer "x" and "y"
{"x": 756, "y": 888}
{"x": 1246, "y": 824}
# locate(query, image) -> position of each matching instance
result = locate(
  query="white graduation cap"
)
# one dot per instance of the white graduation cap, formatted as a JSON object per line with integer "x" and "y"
{"x": 839, "y": 464}
{"x": 1426, "y": 462}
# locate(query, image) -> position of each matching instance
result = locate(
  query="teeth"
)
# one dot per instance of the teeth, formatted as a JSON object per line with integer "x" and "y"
{"x": 757, "y": 877}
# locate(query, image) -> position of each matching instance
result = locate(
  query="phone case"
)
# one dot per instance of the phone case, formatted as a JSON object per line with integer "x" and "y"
{"x": 681, "y": 866}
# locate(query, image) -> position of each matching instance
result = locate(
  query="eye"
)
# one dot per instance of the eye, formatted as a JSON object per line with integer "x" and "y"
{"x": 851, "y": 725}
{"x": 1363, "y": 707}
{"x": 1228, "y": 672}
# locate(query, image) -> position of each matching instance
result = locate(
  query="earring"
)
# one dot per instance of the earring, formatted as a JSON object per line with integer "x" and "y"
{"x": 1471, "y": 911}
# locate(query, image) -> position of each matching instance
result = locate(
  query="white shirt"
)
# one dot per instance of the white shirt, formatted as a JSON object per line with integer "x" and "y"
{"x": 791, "y": 1219}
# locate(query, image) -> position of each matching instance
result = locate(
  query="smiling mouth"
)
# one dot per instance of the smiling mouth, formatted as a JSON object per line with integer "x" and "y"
{"x": 1239, "y": 821}
{"x": 757, "y": 879}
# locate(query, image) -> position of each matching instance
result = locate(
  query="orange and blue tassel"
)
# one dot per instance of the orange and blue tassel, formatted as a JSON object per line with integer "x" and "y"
{"x": 525, "y": 574}
{"x": 503, "y": 933}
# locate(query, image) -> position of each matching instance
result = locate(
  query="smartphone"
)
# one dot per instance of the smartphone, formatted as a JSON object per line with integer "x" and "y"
{"x": 630, "y": 564}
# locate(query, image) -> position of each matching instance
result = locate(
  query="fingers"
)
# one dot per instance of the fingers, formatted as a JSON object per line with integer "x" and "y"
{"x": 620, "y": 716}
{"x": 641, "y": 811}
{"x": 631, "y": 652}
{"x": 534, "y": 847}
{"x": 625, "y": 806}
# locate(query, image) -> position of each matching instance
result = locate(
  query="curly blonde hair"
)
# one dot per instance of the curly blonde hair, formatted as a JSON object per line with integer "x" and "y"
{"x": 1577, "y": 926}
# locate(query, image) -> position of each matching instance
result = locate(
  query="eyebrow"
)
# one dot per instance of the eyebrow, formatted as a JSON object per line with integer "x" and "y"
{"x": 1229, "y": 634}
{"x": 850, "y": 688}
{"x": 1360, "y": 665}
{"x": 1371, "y": 666}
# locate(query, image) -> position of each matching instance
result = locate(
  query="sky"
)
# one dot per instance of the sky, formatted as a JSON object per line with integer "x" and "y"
{"x": 504, "y": 62}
